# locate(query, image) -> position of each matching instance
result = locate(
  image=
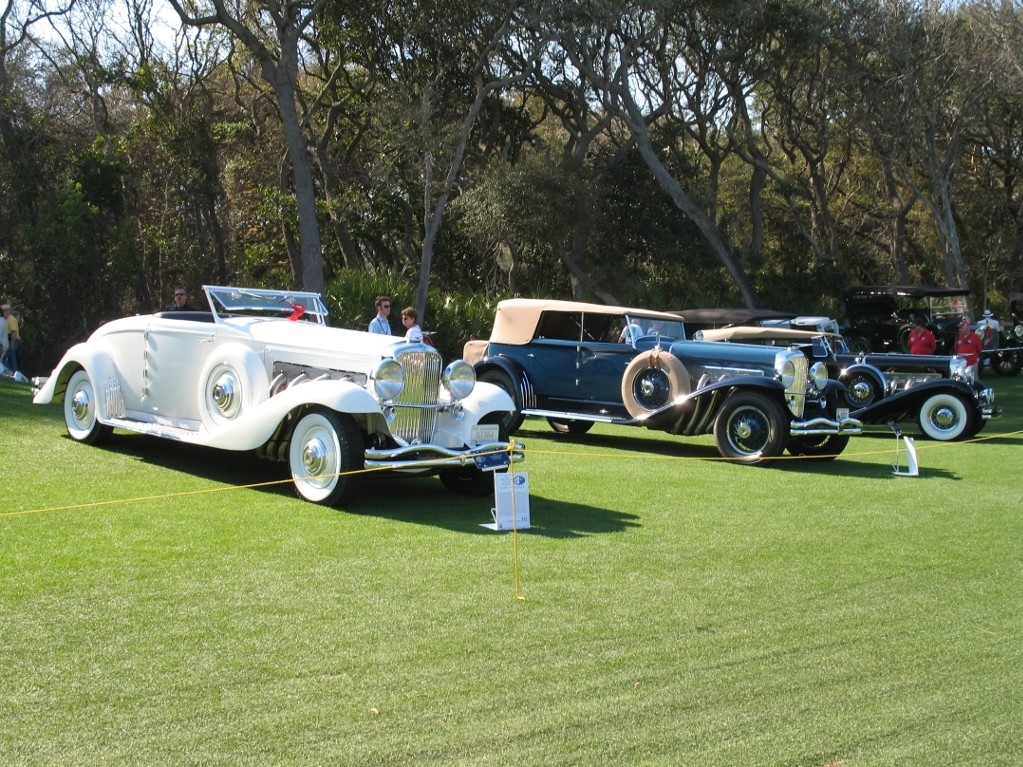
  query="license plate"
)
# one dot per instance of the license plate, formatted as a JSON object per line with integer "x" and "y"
{"x": 485, "y": 432}
{"x": 493, "y": 461}
{"x": 842, "y": 412}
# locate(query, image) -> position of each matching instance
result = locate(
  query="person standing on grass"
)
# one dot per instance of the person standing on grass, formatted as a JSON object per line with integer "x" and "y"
{"x": 968, "y": 345}
{"x": 4, "y": 338}
{"x": 409, "y": 317}
{"x": 12, "y": 333}
{"x": 381, "y": 324}
{"x": 921, "y": 339}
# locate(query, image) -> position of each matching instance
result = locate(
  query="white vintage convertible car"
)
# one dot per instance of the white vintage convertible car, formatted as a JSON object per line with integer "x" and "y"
{"x": 263, "y": 371}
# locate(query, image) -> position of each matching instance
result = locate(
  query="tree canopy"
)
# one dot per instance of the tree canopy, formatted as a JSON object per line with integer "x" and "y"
{"x": 669, "y": 154}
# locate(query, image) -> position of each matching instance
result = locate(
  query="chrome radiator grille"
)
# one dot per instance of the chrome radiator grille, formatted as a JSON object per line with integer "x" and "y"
{"x": 416, "y": 407}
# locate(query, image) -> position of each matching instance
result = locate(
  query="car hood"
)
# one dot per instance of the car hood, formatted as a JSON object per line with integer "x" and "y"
{"x": 270, "y": 332}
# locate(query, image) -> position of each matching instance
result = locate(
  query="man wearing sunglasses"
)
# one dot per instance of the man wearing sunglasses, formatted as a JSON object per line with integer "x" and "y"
{"x": 180, "y": 301}
{"x": 381, "y": 324}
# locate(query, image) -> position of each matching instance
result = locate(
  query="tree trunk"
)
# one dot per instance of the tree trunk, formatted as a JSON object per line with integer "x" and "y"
{"x": 709, "y": 229}
{"x": 302, "y": 178}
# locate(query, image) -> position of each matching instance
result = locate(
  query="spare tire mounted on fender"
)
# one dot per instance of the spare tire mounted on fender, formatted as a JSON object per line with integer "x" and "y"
{"x": 652, "y": 380}
{"x": 233, "y": 380}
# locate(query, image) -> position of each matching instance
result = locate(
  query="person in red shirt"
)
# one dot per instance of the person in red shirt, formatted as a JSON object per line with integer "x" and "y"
{"x": 968, "y": 344}
{"x": 921, "y": 339}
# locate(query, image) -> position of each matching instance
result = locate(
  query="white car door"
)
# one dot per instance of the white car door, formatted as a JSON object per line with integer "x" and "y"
{"x": 175, "y": 354}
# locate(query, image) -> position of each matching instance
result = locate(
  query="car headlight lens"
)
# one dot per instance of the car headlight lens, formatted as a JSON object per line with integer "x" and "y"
{"x": 459, "y": 379}
{"x": 788, "y": 373}
{"x": 388, "y": 379}
{"x": 819, "y": 375}
{"x": 1018, "y": 331}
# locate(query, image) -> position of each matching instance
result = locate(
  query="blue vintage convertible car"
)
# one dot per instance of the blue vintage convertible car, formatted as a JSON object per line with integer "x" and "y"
{"x": 577, "y": 364}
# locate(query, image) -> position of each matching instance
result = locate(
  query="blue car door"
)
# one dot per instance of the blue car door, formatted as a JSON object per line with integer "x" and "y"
{"x": 602, "y": 358}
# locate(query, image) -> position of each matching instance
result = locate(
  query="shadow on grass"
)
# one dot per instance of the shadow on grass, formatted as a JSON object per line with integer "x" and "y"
{"x": 419, "y": 500}
{"x": 631, "y": 439}
{"x": 845, "y": 465}
{"x": 850, "y": 467}
{"x": 424, "y": 501}
{"x": 223, "y": 466}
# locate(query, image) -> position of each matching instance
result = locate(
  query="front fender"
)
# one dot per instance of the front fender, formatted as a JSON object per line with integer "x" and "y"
{"x": 487, "y": 398}
{"x": 261, "y": 421}
{"x": 738, "y": 382}
{"x": 454, "y": 426}
{"x": 906, "y": 401}
{"x": 525, "y": 397}
{"x": 95, "y": 359}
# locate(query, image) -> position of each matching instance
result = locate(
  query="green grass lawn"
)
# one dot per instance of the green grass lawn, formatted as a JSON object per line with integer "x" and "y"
{"x": 677, "y": 610}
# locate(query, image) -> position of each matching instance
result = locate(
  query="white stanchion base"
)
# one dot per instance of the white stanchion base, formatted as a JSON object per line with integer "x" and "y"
{"x": 912, "y": 466}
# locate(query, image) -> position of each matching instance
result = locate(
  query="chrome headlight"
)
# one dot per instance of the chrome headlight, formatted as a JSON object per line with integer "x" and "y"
{"x": 388, "y": 379}
{"x": 459, "y": 378}
{"x": 787, "y": 373}
{"x": 819, "y": 375}
{"x": 1018, "y": 331}
{"x": 958, "y": 370}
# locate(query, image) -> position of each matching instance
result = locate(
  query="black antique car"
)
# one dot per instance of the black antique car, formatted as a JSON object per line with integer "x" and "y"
{"x": 577, "y": 364}
{"x": 878, "y": 319}
{"x": 940, "y": 393}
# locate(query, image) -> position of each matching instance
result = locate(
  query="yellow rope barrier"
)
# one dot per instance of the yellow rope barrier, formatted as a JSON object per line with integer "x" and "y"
{"x": 517, "y": 578}
{"x": 209, "y": 491}
{"x": 533, "y": 451}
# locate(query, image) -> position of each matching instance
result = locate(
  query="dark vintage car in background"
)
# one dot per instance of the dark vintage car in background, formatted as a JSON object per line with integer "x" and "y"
{"x": 723, "y": 317}
{"x": 941, "y": 394}
{"x": 262, "y": 370}
{"x": 878, "y": 319}
{"x": 577, "y": 364}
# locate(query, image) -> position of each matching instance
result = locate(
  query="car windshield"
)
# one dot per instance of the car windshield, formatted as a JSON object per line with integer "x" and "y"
{"x": 638, "y": 327}
{"x": 259, "y": 302}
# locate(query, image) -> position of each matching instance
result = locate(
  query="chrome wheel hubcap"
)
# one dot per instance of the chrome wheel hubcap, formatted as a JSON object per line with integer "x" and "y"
{"x": 80, "y": 404}
{"x": 224, "y": 395}
{"x": 314, "y": 457}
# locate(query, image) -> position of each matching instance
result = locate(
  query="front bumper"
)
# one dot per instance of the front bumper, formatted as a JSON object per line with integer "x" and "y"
{"x": 486, "y": 456}
{"x": 823, "y": 425}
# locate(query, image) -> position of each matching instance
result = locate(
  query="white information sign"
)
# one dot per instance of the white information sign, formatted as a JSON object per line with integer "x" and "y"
{"x": 511, "y": 493}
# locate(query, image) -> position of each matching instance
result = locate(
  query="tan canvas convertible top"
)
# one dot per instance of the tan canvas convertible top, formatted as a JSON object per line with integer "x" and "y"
{"x": 759, "y": 333}
{"x": 516, "y": 318}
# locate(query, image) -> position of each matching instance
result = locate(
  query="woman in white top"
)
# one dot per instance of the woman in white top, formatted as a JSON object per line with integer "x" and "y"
{"x": 409, "y": 320}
